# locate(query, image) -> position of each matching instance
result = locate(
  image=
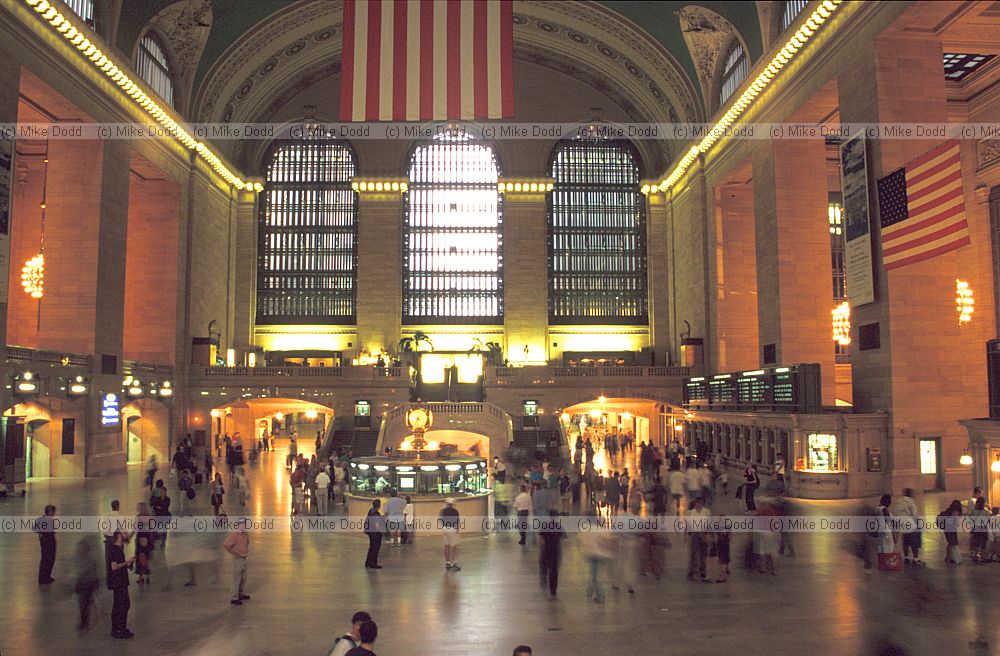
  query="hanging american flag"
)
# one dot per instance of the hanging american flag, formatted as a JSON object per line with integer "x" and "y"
{"x": 421, "y": 60}
{"x": 922, "y": 208}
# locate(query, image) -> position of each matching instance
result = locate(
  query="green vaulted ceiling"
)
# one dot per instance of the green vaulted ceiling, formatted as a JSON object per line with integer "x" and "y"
{"x": 232, "y": 18}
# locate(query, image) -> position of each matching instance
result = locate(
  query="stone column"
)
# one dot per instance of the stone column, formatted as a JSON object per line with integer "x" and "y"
{"x": 380, "y": 271}
{"x": 658, "y": 266}
{"x": 735, "y": 278}
{"x": 526, "y": 289}
{"x": 794, "y": 295}
{"x": 246, "y": 270}
{"x": 927, "y": 372}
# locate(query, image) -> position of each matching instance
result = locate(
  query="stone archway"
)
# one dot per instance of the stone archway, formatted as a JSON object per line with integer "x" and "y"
{"x": 46, "y": 451}
{"x": 146, "y": 431}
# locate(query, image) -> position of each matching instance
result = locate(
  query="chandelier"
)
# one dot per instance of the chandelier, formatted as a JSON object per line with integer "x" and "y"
{"x": 964, "y": 301}
{"x": 842, "y": 324}
{"x": 33, "y": 271}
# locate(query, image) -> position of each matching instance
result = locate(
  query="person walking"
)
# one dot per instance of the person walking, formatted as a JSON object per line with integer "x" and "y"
{"x": 237, "y": 543}
{"x": 86, "y": 580}
{"x": 886, "y": 544}
{"x": 595, "y": 545}
{"x": 552, "y": 535}
{"x": 522, "y": 506}
{"x": 394, "y": 517}
{"x": 374, "y": 528}
{"x": 187, "y": 493}
{"x": 144, "y": 543}
{"x": 949, "y": 523}
{"x": 112, "y": 522}
{"x": 450, "y": 522}
{"x": 218, "y": 491}
{"x": 677, "y": 482}
{"x": 352, "y": 638}
{"x": 697, "y": 540}
{"x": 322, "y": 491}
{"x": 906, "y": 510}
{"x": 751, "y": 481}
{"x": 613, "y": 493}
{"x": 47, "y": 543}
{"x": 117, "y": 580}
{"x": 151, "y": 467}
{"x": 978, "y": 541}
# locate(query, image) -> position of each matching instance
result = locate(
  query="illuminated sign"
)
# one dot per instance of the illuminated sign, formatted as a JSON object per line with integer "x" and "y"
{"x": 109, "y": 410}
{"x": 530, "y": 408}
{"x": 362, "y": 408}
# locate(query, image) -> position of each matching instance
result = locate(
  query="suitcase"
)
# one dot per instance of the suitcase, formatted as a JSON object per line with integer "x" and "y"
{"x": 198, "y": 479}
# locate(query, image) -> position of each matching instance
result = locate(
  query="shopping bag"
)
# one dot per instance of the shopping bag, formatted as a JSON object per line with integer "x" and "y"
{"x": 890, "y": 562}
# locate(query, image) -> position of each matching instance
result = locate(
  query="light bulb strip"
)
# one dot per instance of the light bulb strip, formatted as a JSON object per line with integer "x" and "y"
{"x": 801, "y": 36}
{"x": 380, "y": 185}
{"x": 89, "y": 50}
{"x": 525, "y": 185}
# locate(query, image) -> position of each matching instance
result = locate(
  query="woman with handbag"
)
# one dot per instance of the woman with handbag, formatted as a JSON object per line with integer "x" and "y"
{"x": 217, "y": 493}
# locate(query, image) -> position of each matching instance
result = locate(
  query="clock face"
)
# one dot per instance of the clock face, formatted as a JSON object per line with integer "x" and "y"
{"x": 418, "y": 418}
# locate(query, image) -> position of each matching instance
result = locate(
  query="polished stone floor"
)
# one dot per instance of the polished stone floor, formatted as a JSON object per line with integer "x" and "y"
{"x": 305, "y": 588}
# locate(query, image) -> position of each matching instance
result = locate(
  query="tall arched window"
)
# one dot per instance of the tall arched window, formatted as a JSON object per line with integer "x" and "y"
{"x": 82, "y": 8}
{"x": 154, "y": 68}
{"x": 453, "y": 235}
{"x": 307, "y": 240}
{"x": 597, "y": 235}
{"x": 733, "y": 72}
{"x": 792, "y": 9}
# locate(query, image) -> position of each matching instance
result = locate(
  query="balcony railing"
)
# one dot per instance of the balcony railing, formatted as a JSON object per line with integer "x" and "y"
{"x": 23, "y": 354}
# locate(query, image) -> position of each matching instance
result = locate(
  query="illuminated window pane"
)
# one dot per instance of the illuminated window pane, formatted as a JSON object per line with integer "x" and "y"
{"x": 453, "y": 235}
{"x": 958, "y": 66}
{"x": 153, "y": 67}
{"x": 307, "y": 261}
{"x": 82, "y": 8}
{"x": 735, "y": 71}
{"x": 822, "y": 452}
{"x": 792, "y": 9}
{"x": 597, "y": 235}
{"x": 928, "y": 456}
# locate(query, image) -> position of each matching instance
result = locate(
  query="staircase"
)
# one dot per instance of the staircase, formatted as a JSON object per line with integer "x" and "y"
{"x": 361, "y": 441}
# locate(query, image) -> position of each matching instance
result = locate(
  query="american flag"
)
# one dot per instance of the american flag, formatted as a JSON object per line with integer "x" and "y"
{"x": 421, "y": 60}
{"x": 922, "y": 208}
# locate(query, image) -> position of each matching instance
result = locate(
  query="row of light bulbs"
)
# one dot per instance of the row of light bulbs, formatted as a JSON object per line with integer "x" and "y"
{"x": 785, "y": 55}
{"x": 362, "y": 184}
{"x": 90, "y": 50}
{"x": 525, "y": 186}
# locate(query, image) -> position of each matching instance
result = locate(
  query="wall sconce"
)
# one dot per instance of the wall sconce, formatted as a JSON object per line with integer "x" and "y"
{"x": 26, "y": 383}
{"x": 966, "y": 459}
{"x": 78, "y": 386}
{"x": 167, "y": 389}
{"x": 216, "y": 413}
{"x": 525, "y": 186}
{"x": 995, "y": 466}
{"x": 135, "y": 389}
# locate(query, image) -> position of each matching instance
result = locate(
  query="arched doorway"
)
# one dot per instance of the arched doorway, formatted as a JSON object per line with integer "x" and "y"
{"x": 45, "y": 435}
{"x": 278, "y": 417}
{"x": 146, "y": 431}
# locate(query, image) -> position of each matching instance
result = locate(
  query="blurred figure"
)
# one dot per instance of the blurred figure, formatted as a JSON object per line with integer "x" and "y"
{"x": 596, "y": 546}
{"x": 151, "y": 468}
{"x": 144, "y": 543}
{"x": 548, "y": 561}
{"x": 117, "y": 570}
{"x": 697, "y": 540}
{"x": 86, "y": 579}
{"x": 906, "y": 509}
{"x": 977, "y": 542}
{"x": 949, "y": 523}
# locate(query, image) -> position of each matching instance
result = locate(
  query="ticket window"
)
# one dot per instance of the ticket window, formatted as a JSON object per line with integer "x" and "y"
{"x": 822, "y": 453}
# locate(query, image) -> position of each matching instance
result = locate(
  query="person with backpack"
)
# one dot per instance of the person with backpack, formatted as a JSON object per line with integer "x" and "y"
{"x": 352, "y": 638}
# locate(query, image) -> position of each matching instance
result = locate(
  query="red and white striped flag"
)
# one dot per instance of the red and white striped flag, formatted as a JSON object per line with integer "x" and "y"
{"x": 423, "y": 60}
{"x": 922, "y": 208}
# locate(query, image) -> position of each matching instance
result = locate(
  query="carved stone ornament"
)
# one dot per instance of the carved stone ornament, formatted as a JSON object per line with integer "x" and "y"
{"x": 708, "y": 36}
{"x": 989, "y": 153}
{"x": 185, "y": 26}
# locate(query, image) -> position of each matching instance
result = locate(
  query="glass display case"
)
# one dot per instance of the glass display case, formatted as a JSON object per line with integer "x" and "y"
{"x": 376, "y": 476}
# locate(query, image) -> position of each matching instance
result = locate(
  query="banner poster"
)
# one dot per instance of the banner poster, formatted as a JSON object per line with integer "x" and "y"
{"x": 857, "y": 222}
{"x": 6, "y": 201}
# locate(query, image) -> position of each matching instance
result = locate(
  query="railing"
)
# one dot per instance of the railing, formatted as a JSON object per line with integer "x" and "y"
{"x": 22, "y": 354}
{"x": 145, "y": 369}
{"x": 359, "y": 373}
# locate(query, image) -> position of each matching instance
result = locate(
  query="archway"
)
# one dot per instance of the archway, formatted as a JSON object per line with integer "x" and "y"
{"x": 278, "y": 417}
{"x": 47, "y": 435}
{"x": 146, "y": 431}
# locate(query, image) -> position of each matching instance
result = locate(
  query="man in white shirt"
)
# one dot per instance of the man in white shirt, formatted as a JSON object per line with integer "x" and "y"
{"x": 394, "y": 517}
{"x": 112, "y": 523}
{"x": 676, "y": 480}
{"x": 522, "y": 505}
{"x": 707, "y": 491}
{"x": 692, "y": 480}
{"x": 906, "y": 509}
{"x": 322, "y": 485}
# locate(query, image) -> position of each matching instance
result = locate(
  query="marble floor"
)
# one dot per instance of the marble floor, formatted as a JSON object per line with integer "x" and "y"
{"x": 305, "y": 587}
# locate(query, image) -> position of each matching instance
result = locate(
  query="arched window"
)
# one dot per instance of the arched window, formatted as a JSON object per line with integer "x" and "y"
{"x": 597, "y": 235}
{"x": 82, "y": 8}
{"x": 453, "y": 235}
{"x": 153, "y": 67}
{"x": 792, "y": 9}
{"x": 733, "y": 72}
{"x": 307, "y": 242}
